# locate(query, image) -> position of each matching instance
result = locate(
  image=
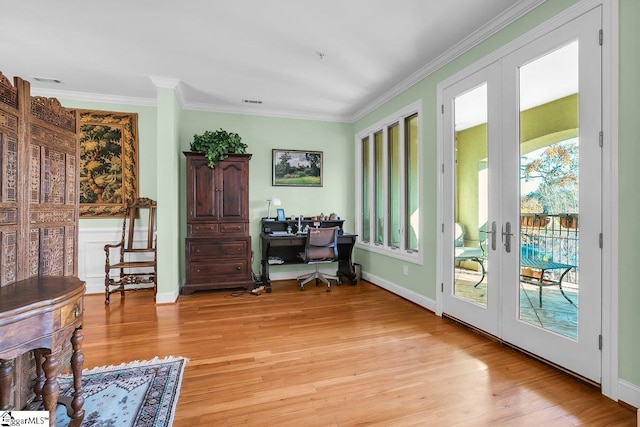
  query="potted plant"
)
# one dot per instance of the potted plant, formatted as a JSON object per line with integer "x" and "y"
{"x": 217, "y": 145}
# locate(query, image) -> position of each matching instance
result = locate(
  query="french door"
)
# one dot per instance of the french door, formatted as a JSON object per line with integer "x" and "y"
{"x": 522, "y": 197}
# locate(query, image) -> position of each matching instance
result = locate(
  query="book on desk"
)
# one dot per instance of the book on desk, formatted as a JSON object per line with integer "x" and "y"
{"x": 282, "y": 241}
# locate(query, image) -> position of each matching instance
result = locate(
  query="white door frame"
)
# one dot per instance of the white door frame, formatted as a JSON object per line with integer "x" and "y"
{"x": 609, "y": 383}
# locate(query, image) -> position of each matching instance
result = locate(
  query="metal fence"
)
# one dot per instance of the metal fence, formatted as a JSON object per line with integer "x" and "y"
{"x": 551, "y": 237}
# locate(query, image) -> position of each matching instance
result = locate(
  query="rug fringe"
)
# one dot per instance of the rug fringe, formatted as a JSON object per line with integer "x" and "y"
{"x": 134, "y": 364}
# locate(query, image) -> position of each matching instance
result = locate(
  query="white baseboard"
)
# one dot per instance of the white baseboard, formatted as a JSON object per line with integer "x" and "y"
{"x": 416, "y": 298}
{"x": 168, "y": 297}
{"x": 629, "y": 394}
{"x": 407, "y": 294}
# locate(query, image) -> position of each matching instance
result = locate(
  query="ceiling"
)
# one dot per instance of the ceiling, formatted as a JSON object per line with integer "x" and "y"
{"x": 326, "y": 60}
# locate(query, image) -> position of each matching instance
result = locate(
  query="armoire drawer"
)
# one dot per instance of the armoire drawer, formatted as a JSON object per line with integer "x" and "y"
{"x": 216, "y": 249}
{"x": 227, "y": 270}
{"x": 200, "y": 230}
{"x": 212, "y": 229}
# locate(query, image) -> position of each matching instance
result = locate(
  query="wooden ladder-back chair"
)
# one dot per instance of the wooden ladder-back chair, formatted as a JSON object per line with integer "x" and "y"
{"x": 137, "y": 263}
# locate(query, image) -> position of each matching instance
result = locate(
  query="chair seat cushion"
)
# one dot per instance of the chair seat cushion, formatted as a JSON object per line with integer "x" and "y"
{"x": 468, "y": 252}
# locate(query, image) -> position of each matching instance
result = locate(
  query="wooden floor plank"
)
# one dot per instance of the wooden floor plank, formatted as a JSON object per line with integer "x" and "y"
{"x": 358, "y": 355}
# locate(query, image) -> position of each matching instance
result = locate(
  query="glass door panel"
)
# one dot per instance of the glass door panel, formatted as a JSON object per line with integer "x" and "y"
{"x": 522, "y": 187}
{"x": 470, "y": 256}
{"x": 471, "y": 192}
{"x": 549, "y": 191}
{"x": 551, "y": 263}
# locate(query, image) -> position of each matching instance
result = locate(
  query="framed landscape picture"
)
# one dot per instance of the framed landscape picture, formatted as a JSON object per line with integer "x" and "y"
{"x": 297, "y": 168}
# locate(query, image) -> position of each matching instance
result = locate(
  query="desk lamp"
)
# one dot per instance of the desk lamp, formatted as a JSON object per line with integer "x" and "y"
{"x": 276, "y": 202}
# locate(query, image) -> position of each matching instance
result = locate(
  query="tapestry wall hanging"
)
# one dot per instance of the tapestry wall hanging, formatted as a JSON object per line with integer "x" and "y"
{"x": 108, "y": 162}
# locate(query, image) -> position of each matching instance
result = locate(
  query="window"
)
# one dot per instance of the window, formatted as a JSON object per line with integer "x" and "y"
{"x": 388, "y": 220}
{"x": 366, "y": 177}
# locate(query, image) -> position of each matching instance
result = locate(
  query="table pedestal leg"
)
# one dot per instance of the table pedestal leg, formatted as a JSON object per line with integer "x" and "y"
{"x": 6, "y": 376}
{"x": 38, "y": 382}
{"x": 77, "y": 360}
{"x": 51, "y": 387}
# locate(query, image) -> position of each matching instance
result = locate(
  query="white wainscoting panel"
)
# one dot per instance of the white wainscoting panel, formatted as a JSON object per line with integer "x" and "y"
{"x": 91, "y": 255}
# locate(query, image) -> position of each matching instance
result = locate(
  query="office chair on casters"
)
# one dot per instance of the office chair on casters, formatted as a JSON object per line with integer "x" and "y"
{"x": 321, "y": 247}
{"x": 137, "y": 261}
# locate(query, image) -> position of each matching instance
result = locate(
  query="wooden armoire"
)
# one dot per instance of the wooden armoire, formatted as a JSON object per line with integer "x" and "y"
{"x": 218, "y": 244}
{"x": 39, "y": 203}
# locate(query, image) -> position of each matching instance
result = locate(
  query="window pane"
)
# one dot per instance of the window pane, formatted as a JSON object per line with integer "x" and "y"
{"x": 393, "y": 135}
{"x": 412, "y": 219}
{"x": 366, "y": 176}
{"x": 379, "y": 184}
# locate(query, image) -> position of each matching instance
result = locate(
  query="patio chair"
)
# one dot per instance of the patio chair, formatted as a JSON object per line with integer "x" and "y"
{"x": 469, "y": 253}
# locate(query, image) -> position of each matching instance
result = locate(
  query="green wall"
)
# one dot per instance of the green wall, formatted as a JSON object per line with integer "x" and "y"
{"x": 629, "y": 196}
{"x": 336, "y": 140}
{"x": 262, "y": 134}
{"x": 422, "y": 278}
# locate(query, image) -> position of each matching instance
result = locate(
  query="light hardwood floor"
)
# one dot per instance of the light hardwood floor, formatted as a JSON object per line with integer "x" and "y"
{"x": 358, "y": 355}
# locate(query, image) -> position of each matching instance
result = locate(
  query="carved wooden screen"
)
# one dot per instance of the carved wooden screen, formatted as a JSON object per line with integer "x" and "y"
{"x": 39, "y": 214}
{"x": 9, "y": 213}
{"x": 39, "y": 201}
{"x": 53, "y": 201}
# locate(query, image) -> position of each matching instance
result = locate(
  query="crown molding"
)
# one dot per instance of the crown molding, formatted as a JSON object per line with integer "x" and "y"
{"x": 165, "y": 82}
{"x": 518, "y": 10}
{"x": 185, "y": 105}
{"x": 93, "y": 97}
{"x": 253, "y": 111}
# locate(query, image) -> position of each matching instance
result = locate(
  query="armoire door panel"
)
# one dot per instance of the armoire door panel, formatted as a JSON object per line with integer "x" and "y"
{"x": 232, "y": 193}
{"x": 204, "y": 203}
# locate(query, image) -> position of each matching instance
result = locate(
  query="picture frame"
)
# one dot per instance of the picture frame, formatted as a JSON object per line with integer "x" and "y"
{"x": 280, "y": 215}
{"x": 108, "y": 162}
{"x": 296, "y": 168}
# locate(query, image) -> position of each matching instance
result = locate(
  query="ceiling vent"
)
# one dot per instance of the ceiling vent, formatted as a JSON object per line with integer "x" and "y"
{"x": 47, "y": 80}
{"x": 251, "y": 101}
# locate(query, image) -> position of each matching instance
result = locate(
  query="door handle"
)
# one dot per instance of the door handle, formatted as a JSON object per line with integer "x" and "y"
{"x": 506, "y": 234}
{"x": 493, "y": 235}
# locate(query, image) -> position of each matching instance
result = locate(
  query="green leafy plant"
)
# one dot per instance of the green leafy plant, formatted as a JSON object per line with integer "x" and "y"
{"x": 217, "y": 145}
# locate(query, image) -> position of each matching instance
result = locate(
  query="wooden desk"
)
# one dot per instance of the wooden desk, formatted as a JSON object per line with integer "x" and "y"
{"x": 288, "y": 247}
{"x": 39, "y": 314}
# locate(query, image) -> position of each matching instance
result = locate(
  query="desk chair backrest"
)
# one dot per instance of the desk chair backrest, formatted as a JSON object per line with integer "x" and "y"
{"x": 322, "y": 245}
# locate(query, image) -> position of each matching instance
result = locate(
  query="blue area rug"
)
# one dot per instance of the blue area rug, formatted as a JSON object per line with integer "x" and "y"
{"x": 136, "y": 394}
